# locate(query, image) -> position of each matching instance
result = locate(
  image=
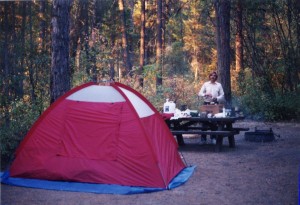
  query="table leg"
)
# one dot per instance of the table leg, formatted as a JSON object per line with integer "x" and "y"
{"x": 219, "y": 139}
{"x": 219, "y": 143}
{"x": 231, "y": 141}
{"x": 180, "y": 140}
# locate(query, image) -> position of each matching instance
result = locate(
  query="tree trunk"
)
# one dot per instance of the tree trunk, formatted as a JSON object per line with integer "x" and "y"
{"x": 126, "y": 53}
{"x": 239, "y": 49}
{"x": 93, "y": 44}
{"x": 5, "y": 61}
{"x": 159, "y": 45}
{"x": 142, "y": 45}
{"x": 22, "y": 50}
{"x": 222, "y": 8}
{"x": 60, "y": 73}
{"x": 297, "y": 13}
{"x": 239, "y": 54}
{"x": 86, "y": 35}
{"x": 14, "y": 56}
{"x": 77, "y": 37}
{"x": 42, "y": 33}
{"x": 31, "y": 70}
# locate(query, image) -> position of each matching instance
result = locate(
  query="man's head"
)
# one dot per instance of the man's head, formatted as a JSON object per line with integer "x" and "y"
{"x": 213, "y": 76}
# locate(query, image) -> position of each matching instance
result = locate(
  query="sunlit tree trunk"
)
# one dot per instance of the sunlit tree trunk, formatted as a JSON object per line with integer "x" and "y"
{"x": 142, "y": 44}
{"x": 239, "y": 76}
{"x": 112, "y": 72}
{"x": 42, "y": 33}
{"x": 222, "y": 8}
{"x": 60, "y": 73}
{"x": 77, "y": 35}
{"x": 125, "y": 46}
{"x": 239, "y": 54}
{"x": 159, "y": 45}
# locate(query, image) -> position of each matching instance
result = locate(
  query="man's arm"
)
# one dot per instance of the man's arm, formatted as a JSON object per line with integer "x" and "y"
{"x": 202, "y": 91}
{"x": 221, "y": 94}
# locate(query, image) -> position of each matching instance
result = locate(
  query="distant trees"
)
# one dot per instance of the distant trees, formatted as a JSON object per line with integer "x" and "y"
{"x": 160, "y": 43}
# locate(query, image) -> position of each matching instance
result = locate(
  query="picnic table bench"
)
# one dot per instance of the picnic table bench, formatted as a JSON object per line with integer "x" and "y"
{"x": 217, "y": 127}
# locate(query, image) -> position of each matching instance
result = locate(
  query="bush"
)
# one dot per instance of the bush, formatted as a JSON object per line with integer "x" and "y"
{"x": 277, "y": 107}
{"x": 22, "y": 116}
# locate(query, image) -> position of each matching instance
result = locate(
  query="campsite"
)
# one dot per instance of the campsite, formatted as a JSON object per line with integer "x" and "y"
{"x": 150, "y": 102}
{"x": 252, "y": 173}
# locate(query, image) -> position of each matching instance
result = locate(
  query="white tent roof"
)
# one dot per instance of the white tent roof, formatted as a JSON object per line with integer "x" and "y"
{"x": 108, "y": 94}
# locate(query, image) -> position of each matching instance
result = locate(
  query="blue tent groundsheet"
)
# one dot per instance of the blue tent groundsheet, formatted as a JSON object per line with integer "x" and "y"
{"x": 180, "y": 179}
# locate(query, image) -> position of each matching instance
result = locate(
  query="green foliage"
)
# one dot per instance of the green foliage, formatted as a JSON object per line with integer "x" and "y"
{"x": 181, "y": 91}
{"x": 22, "y": 116}
{"x": 175, "y": 60}
{"x": 262, "y": 105}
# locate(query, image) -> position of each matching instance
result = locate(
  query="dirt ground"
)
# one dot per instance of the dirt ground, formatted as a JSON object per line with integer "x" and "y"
{"x": 252, "y": 173}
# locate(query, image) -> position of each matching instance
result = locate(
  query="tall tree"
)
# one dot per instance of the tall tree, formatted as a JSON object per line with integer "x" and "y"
{"x": 86, "y": 35}
{"x": 142, "y": 44}
{"x": 31, "y": 70}
{"x": 159, "y": 37}
{"x": 297, "y": 20}
{"x": 22, "y": 51}
{"x": 238, "y": 83}
{"x": 5, "y": 66}
{"x": 42, "y": 34}
{"x": 60, "y": 73}
{"x": 239, "y": 54}
{"x": 222, "y": 9}
{"x": 126, "y": 53}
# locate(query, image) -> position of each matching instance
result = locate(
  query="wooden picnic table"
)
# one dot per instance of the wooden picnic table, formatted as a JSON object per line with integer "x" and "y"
{"x": 218, "y": 127}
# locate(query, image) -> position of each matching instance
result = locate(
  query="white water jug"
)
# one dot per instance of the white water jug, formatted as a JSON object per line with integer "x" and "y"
{"x": 169, "y": 107}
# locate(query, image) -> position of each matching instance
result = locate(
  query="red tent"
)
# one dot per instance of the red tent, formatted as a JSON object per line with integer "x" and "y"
{"x": 100, "y": 134}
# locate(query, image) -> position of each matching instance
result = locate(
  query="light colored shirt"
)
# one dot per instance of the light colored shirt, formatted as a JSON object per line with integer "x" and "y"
{"x": 215, "y": 89}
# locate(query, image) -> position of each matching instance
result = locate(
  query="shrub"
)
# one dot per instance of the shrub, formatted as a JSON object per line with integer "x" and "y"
{"x": 22, "y": 116}
{"x": 279, "y": 106}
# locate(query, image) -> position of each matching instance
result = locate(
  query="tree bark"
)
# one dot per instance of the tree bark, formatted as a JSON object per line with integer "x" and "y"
{"x": 297, "y": 13}
{"x": 126, "y": 53}
{"x": 22, "y": 51}
{"x": 159, "y": 44}
{"x": 42, "y": 33}
{"x": 60, "y": 73}
{"x": 239, "y": 54}
{"x": 142, "y": 45}
{"x": 77, "y": 35}
{"x": 86, "y": 36}
{"x": 222, "y": 8}
{"x": 5, "y": 62}
{"x": 31, "y": 66}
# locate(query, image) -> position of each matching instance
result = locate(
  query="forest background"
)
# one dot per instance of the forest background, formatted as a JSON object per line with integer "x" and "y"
{"x": 162, "y": 48}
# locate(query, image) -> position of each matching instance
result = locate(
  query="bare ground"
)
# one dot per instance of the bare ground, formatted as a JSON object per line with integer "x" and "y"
{"x": 251, "y": 173}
